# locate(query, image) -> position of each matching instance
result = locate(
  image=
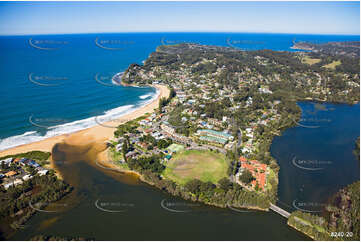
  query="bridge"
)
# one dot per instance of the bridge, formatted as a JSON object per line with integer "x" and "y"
{"x": 279, "y": 210}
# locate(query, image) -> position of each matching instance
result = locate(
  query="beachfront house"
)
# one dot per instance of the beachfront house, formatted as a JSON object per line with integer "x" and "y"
{"x": 167, "y": 128}
{"x": 18, "y": 182}
{"x": 33, "y": 164}
{"x": 11, "y": 173}
{"x": 7, "y": 185}
{"x": 26, "y": 177}
{"x": 43, "y": 172}
{"x": 6, "y": 162}
{"x": 119, "y": 147}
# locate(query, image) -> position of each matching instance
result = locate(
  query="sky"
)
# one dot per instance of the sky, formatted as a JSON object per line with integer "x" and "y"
{"x": 30, "y": 18}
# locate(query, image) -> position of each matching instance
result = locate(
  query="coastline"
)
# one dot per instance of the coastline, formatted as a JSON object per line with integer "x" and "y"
{"x": 99, "y": 133}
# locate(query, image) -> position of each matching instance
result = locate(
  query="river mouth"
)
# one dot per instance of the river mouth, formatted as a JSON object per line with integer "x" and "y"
{"x": 110, "y": 205}
{"x": 66, "y": 155}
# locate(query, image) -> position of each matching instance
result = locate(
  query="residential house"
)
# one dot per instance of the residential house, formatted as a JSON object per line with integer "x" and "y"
{"x": 258, "y": 171}
{"x": 167, "y": 128}
{"x": 11, "y": 173}
{"x": 43, "y": 172}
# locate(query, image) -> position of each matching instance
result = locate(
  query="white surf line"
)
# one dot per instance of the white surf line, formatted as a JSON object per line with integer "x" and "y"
{"x": 113, "y": 120}
{"x": 103, "y": 83}
{"x": 118, "y": 83}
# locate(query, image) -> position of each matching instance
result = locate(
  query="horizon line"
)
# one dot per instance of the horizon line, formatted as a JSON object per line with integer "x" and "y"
{"x": 155, "y": 32}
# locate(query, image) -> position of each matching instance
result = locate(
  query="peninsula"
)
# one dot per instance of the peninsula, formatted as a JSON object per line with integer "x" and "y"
{"x": 209, "y": 140}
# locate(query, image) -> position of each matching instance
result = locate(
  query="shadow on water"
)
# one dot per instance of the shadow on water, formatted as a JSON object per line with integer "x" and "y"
{"x": 109, "y": 205}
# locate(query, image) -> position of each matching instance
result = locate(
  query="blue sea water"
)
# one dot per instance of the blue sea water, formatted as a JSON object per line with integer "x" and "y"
{"x": 57, "y": 84}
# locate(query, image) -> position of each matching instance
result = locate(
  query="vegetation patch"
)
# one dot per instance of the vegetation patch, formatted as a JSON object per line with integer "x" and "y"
{"x": 34, "y": 155}
{"x": 332, "y": 65}
{"x": 310, "y": 61}
{"x": 341, "y": 220}
{"x": 193, "y": 164}
{"x": 116, "y": 157}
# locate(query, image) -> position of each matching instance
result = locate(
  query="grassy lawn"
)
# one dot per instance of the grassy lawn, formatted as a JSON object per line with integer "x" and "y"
{"x": 116, "y": 157}
{"x": 332, "y": 65}
{"x": 194, "y": 164}
{"x": 310, "y": 61}
{"x": 319, "y": 228}
{"x": 271, "y": 176}
{"x": 175, "y": 147}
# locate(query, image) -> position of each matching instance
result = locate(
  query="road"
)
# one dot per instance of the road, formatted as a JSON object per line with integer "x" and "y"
{"x": 279, "y": 210}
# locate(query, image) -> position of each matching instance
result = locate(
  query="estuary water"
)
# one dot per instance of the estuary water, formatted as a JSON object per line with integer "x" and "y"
{"x": 316, "y": 156}
{"x": 107, "y": 205}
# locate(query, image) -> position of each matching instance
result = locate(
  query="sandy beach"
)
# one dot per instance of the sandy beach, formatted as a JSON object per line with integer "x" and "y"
{"x": 97, "y": 134}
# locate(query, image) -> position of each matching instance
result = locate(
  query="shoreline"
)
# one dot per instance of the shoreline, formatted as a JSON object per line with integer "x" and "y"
{"x": 99, "y": 133}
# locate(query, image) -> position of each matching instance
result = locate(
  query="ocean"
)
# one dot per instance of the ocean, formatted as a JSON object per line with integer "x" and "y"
{"x": 58, "y": 84}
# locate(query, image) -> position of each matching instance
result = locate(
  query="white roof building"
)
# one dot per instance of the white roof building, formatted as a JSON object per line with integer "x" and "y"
{"x": 43, "y": 172}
